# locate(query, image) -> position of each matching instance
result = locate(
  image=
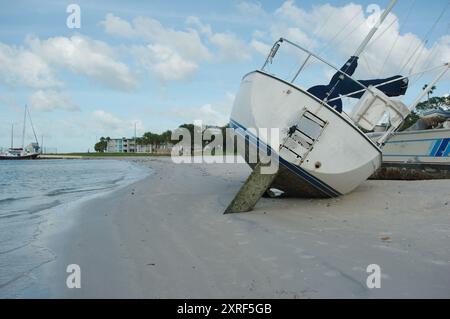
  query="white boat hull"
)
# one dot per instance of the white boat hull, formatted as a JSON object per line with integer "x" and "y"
{"x": 340, "y": 157}
{"x": 430, "y": 147}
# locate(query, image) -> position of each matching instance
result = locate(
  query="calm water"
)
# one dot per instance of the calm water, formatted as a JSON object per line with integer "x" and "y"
{"x": 31, "y": 191}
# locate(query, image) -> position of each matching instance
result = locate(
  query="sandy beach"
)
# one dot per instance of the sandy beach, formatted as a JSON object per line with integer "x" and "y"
{"x": 166, "y": 237}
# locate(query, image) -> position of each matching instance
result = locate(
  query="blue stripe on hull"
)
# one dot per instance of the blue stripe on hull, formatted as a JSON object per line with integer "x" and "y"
{"x": 447, "y": 152}
{"x": 442, "y": 147}
{"x": 435, "y": 147}
{"x": 300, "y": 172}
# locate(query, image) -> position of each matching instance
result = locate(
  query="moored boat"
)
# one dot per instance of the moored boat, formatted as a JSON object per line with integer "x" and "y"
{"x": 22, "y": 153}
{"x": 17, "y": 154}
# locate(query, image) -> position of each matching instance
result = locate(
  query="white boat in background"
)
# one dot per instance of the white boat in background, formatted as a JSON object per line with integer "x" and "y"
{"x": 18, "y": 154}
{"x": 418, "y": 147}
{"x": 426, "y": 143}
{"x": 322, "y": 151}
{"x": 25, "y": 152}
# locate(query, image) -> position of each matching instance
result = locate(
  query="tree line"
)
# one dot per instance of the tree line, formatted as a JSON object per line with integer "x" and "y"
{"x": 165, "y": 138}
{"x": 431, "y": 103}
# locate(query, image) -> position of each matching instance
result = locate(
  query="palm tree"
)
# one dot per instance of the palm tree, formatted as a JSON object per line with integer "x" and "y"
{"x": 429, "y": 92}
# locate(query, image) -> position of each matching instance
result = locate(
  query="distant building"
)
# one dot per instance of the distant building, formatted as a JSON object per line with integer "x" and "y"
{"x": 121, "y": 145}
{"x": 128, "y": 145}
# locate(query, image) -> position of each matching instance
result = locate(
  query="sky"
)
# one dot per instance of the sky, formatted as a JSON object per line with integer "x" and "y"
{"x": 159, "y": 64}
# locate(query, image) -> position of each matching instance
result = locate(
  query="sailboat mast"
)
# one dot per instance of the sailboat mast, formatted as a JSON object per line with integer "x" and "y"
{"x": 24, "y": 124}
{"x": 429, "y": 87}
{"x": 12, "y": 135}
{"x": 351, "y": 63}
{"x": 32, "y": 127}
{"x": 369, "y": 36}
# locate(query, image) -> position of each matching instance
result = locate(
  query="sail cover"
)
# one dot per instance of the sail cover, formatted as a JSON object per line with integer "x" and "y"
{"x": 341, "y": 84}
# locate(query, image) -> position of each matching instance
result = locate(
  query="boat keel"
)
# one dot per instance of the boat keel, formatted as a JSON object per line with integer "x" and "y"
{"x": 252, "y": 190}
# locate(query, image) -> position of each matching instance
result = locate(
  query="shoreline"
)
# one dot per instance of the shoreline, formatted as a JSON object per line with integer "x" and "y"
{"x": 63, "y": 215}
{"x": 165, "y": 237}
{"x": 99, "y": 156}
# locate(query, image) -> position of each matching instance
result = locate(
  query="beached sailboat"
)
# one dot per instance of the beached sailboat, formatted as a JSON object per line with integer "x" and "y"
{"x": 322, "y": 151}
{"x": 22, "y": 153}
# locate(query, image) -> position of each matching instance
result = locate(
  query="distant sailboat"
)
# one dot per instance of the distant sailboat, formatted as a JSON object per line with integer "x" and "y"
{"x": 22, "y": 153}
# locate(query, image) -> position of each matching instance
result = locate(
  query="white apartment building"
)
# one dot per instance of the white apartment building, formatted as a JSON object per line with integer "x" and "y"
{"x": 128, "y": 145}
{"x": 121, "y": 145}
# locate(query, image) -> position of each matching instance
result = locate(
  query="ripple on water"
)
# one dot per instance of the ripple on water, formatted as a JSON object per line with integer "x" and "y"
{"x": 30, "y": 192}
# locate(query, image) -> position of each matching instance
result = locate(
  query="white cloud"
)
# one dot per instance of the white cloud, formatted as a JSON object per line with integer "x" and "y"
{"x": 210, "y": 116}
{"x": 175, "y": 54}
{"x": 294, "y": 34}
{"x": 185, "y": 42}
{"x": 117, "y": 26}
{"x": 231, "y": 48}
{"x": 81, "y": 55}
{"x": 195, "y": 22}
{"x": 107, "y": 120}
{"x": 251, "y": 8}
{"x": 170, "y": 54}
{"x": 110, "y": 124}
{"x": 294, "y": 14}
{"x": 259, "y": 34}
{"x": 35, "y": 64}
{"x": 164, "y": 62}
{"x": 217, "y": 113}
{"x": 260, "y": 47}
{"x": 329, "y": 29}
{"x": 51, "y": 100}
{"x": 20, "y": 67}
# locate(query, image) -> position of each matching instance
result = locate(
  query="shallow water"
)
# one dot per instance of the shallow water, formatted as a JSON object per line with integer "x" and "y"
{"x": 30, "y": 191}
